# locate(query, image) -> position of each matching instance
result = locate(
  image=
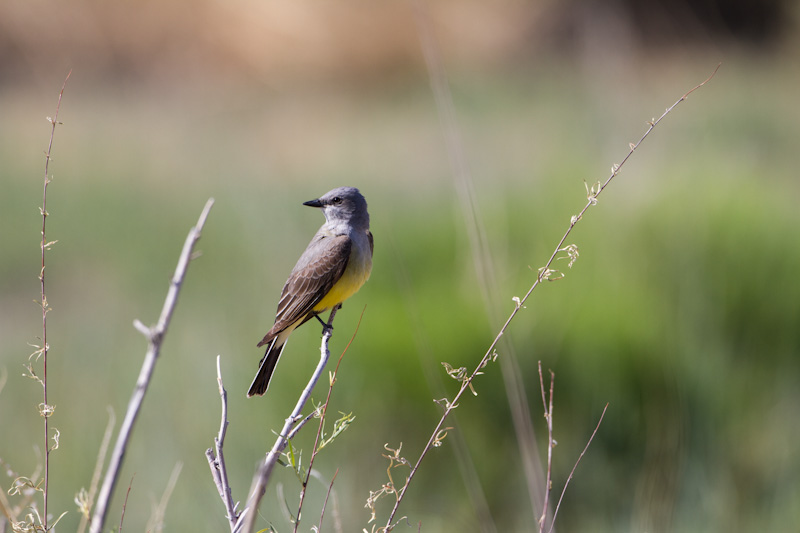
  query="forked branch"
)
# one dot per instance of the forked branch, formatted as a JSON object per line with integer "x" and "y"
{"x": 290, "y": 427}
{"x": 155, "y": 337}
{"x": 216, "y": 460}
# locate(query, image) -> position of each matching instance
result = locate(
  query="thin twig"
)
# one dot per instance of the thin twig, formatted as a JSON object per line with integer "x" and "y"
{"x": 264, "y": 471}
{"x": 125, "y": 503}
{"x": 299, "y": 425}
{"x": 46, "y": 409}
{"x": 322, "y": 412}
{"x": 217, "y": 463}
{"x": 156, "y": 521}
{"x": 548, "y": 415}
{"x": 98, "y": 469}
{"x": 572, "y": 472}
{"x": 325, "y": 503}
{"x": 427, "y": 356}
{"x": 544, "y": 274}
{"x": 155, "y": 337}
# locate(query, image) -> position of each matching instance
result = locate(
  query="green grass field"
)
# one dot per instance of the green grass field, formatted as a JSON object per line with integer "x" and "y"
{"x": 682, "y": 311}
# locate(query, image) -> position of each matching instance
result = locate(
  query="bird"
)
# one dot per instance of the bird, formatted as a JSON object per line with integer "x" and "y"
{"x": 334, "y": 266}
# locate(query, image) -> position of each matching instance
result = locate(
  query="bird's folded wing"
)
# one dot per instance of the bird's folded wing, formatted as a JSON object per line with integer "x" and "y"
{"x": 309, "y": 283}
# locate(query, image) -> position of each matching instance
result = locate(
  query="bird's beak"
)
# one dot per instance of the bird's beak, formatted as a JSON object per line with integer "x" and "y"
{"x": 313, "y": 203}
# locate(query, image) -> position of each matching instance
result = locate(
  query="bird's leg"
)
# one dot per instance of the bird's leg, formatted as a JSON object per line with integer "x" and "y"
{"x": 329, "y": 325}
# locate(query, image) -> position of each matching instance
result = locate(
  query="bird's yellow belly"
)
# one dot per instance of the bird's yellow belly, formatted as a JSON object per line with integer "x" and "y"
{"x": 353, "y": 278}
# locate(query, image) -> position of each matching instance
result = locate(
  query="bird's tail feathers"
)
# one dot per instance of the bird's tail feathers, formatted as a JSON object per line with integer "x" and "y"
{"x": 267, "y": 367}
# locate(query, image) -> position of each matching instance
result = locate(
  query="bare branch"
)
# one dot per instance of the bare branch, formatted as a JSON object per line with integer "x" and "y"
{"x": 155, "y": 338}
{"x": 217, "y": 463}
{"x": 264, "y": 472}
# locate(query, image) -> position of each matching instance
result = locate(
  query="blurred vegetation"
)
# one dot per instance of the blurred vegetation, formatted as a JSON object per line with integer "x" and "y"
{"x": 682, "y": 311}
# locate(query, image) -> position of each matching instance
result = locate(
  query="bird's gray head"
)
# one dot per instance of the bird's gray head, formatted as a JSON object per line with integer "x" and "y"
{"x": 343, "y": 206}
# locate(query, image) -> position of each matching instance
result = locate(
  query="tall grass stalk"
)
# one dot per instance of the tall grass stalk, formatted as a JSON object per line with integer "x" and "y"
{"x": 45, "y": 409}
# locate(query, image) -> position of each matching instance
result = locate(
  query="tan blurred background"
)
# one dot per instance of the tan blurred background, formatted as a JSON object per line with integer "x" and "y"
{"x": 683, "y": 310}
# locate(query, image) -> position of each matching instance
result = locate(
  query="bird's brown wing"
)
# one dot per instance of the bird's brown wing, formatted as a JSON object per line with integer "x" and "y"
{"x": 310, "y": 282}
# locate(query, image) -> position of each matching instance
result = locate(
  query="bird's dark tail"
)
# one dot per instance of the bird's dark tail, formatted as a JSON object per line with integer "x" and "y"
{"x": 267, "y": 367}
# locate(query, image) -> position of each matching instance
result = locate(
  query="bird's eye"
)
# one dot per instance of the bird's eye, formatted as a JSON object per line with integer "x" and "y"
{"x": 336, "y": 200}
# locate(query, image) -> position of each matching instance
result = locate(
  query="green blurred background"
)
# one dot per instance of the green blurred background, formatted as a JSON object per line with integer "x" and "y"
{"x": 683, "y": 311}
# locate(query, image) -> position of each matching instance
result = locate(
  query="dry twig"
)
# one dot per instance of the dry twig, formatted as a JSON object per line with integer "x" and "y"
{"x": 548, "y": 415}
{"x": 155, "y": 337}
{"x": 325, "y": 503}
{"x": 85, "y": 499}
{"x": 125, "y": 504}
{"x": 551, "y": 443}
{"x": 156, "y": 521}
{"x": 319, "y": 438}
{"x": 264, "y": 471}
{"x": 217, "y": 462}
{"x": 572, "y": 472}
{"x": 45, "y": 408}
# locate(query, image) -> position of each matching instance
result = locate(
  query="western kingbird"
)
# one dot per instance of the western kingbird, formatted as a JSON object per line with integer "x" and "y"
{"x": 336, "y": 263}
